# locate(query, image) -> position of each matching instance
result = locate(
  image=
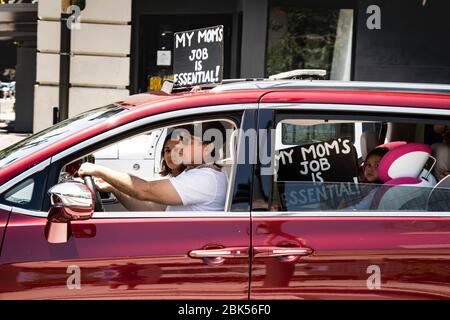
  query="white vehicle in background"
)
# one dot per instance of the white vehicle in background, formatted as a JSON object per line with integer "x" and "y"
{"x": 7, "y": 89}
{"x": 140, "y": 155}
{"x": 12, "y": 89}
{"x": 4, "y": 90}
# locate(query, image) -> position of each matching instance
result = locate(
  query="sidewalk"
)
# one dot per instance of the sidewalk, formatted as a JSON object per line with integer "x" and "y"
{"x": 7, "y": 117}
{"x": 7, "y": 139}
{"x": 7, "y": 110}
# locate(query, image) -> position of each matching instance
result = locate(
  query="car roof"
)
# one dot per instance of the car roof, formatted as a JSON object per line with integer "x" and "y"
{"x": 253, "y": 91}
{"x": 305, "y": 91}
{"x": 333, "y": 85}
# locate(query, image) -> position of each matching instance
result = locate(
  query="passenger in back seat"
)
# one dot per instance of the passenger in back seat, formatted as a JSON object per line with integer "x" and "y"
{"x": 441, "y": 152}
{"x": 371, "y": 164}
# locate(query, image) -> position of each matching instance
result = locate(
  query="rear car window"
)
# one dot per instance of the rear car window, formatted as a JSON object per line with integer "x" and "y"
{"x": 320, "y": 165}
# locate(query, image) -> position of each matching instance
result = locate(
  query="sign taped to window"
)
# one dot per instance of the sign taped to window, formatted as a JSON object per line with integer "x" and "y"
{"x": 198, "y": 56}
{"x": 330, "y": 161}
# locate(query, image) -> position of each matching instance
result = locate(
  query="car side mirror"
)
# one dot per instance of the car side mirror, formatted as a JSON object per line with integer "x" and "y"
{"x": 70, "y": 201}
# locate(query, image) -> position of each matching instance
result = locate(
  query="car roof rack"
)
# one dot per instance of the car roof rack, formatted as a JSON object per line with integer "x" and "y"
{"x": 334, "y": 85}
{"x": 301, "y": 74}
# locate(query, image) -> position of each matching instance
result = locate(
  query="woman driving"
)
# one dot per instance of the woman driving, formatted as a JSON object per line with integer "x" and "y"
{"x": 195, "y": 182}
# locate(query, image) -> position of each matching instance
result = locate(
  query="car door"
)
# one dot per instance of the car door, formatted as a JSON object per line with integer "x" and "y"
{"x": 307, "y": 245}
{"x": 4, "y": 216}
{"x": 150, "y": 255}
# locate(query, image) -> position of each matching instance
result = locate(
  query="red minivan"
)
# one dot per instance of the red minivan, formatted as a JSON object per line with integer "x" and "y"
{"x": 300, "y": 220}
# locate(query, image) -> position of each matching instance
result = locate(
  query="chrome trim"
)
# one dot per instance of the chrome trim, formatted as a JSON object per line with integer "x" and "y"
{"x": 5, "y": 208}
{"x": 172, "y": 214}
{"x": 150, "y": 119}
{"x": 255, "y": 214}
{"x": 286, "y": 252}
{"x": 227, "y": 253}
{"x": 37, "y": 168}
{"x": 72, "y": 194}
{"x": 273, "y": 251}
{"x": 355, "y": 214}
{"x": 142, "y": 215}
{"x": 327, "y": 84}
{"x": 358, "y": 108}
{"x": 31, "y": 213}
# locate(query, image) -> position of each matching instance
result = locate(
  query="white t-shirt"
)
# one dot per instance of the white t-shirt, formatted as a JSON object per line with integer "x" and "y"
{"x": 200, "y": 189}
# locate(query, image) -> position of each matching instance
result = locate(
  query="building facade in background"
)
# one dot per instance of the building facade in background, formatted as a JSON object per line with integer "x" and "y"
{"x": 121, "y": 47}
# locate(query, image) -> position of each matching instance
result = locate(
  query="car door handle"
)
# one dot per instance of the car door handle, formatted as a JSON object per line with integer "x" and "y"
{"x": 232, "y": 252}
{"x": 286, "y": 253}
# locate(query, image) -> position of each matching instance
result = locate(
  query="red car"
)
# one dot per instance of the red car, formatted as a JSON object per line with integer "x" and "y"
{"x": 300, "y": 219}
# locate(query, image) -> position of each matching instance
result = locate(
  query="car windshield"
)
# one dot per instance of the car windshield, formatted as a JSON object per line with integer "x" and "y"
{"x": 57, "y": 132}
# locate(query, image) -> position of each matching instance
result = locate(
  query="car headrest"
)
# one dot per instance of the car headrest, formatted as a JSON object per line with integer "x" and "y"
{"x": 392, "y": 145}
{"x": 406, "y": 161}
{"x": 441, "y": 152}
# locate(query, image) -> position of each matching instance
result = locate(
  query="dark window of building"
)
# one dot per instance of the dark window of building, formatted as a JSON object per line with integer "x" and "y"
{"x": 310, "y": 38}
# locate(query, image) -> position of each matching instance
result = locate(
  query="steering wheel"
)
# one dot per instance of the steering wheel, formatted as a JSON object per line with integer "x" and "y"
{"x": 98, "y": 205}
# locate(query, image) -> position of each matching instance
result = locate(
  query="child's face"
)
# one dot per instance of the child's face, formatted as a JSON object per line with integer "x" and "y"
{"x": 371, "y": 168}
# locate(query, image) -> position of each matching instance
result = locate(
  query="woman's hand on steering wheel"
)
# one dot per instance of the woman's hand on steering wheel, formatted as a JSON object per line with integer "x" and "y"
{"x": 86, "y": 171}
{"x": 98, "y": 205}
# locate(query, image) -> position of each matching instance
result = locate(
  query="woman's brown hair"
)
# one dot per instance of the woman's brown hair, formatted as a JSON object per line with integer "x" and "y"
{"x": 164, "y": 168}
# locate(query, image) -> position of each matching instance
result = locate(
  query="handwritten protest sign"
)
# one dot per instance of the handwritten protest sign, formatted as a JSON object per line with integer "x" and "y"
{"x": 330, "y": 161}
{"x": 198, "y": 56}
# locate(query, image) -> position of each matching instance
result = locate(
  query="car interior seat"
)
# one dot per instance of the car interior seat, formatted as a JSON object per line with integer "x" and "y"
{"x": 390, "y": 145}
{"x": 401, "y": 171}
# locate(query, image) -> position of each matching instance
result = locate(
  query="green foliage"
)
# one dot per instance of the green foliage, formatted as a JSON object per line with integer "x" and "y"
{"x": 307, "y": 43}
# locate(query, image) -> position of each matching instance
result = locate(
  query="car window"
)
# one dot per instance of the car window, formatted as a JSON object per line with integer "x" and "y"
{"x": 142, "y": 155}
{"x": 297, "y": 134}
{"x": 57, "y": 132}
{"x": 28, "y": 194}
{"x": 21, "y": 194}
{"x": 321, "y": 165}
